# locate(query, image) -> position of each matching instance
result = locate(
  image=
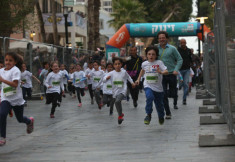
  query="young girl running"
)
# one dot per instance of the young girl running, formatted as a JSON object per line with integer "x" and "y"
{"x": 11, "y": 94}
{"x": 71, "y": 87}
{"x": 153, "y": 70}
{"x": 54, "y": 84}
{"x": 79, "y": 78}
{"x": 43, "y": 74}
{"x": 95, "y": 76}
{"x": 26, "y": 82}
{"x": 65, "y": 75}
{"x": 89, "y": 81}
{"x": 107, "y": 89}
{"x": 119, "y": 79}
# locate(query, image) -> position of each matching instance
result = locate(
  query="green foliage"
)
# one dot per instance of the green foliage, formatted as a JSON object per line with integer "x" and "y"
{"x": 13, "y": 12}
{"x": 159, "y": 10}
{"x": 206, "y": 10}
{"x": 127, "y": 11}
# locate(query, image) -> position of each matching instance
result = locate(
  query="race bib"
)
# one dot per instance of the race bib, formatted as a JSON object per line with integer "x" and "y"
{"x": 151, "y": 78}
{"x": 56, "y": 83}
{"x": 77, "y": 80}
{"x": 97, "y": 79}
{"x": 109, "y": 86}
{"x": 23, "y": 80}
{"x": 118, "y": 82}
{"x": 8, "y": 90}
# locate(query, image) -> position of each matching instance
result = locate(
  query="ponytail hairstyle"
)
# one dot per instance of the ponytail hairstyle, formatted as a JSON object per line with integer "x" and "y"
{"x": 17, "y": 58}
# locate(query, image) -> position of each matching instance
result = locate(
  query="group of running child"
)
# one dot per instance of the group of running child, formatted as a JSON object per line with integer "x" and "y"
{"x": 107, "y": 83}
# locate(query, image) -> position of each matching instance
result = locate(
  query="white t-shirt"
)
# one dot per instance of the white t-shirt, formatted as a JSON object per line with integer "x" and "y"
{"x": 26, "y": 77}
{"x": 64, "y": 73}
{"x": 119, "y": 82}
{"x": 107, "y": 85}
{"x": 70, "y": 76}
{"x": 56, "y": 81}
{"x": 153, "y": 79}
{"x": 85, "y": 66}
{"x": 87, "y": 71}
{"x": 96, "y": 77}
{"x": 77, "y": 76}
{"x": 8, "y": 93}
{"x": 44, "y": 74}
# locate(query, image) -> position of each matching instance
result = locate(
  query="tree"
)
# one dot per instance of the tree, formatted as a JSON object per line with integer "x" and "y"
{"x": 90, "y": 24}
{"x": 207, "y": 11}
{"x": 127, "y": 11}
{"x": 40, "y": 21}
{"x": 13, "y": 16}
{"x": 96, "y": 23}
{"x": 54, "y": 23}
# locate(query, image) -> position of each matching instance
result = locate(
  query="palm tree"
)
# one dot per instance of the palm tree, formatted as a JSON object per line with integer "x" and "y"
{"x": 40, "y": 21}
{"x": 90, "y": 24}
{"x": 127, "y": 11}
{"x": 96, "y": 23}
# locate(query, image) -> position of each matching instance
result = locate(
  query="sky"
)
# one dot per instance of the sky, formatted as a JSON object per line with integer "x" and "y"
{"x": 192, "y": 42}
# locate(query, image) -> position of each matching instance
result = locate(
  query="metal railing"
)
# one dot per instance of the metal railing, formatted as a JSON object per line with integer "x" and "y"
{"x": 219, "y": 61}
{"x": 35, "y": 54}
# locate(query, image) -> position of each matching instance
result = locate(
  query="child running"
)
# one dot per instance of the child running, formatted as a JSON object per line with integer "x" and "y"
{"x": 107, "y": 90}
{"x": 43, "y": 74}
{"x": 119, "y": 79}
{"x": 26, "y": 83}
{"x": 71, "y": 87}
{"x": 96, "y": 75}
{"x": 11, "y": 94}
{"x": 89, "y": 81}
{"x": 153, "y": 70}
{"x": 54, "y": 84}
{"x": 78, "y": 81}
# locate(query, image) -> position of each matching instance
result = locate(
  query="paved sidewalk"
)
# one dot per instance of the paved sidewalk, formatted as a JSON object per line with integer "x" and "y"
{"x": 90, "y": 134}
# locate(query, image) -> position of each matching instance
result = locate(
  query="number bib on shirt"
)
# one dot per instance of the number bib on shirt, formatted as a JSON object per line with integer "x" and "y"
{"x": 118, "y": 82}
{"x": 23, "y": 80}
{"x": 8, "y": 90}
{"x": 77, "y": 80}
{"x": 56, "y": 83}
{"x": 151, "y": 77}
{"x": 97, "y": 79}
{"x": 109, "y": 86}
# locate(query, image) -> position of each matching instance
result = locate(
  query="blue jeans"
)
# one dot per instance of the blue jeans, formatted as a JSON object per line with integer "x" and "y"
{"x": 185, "y": 74}
{"x": 5, "y": 109}
{"x": 157, "y": 97}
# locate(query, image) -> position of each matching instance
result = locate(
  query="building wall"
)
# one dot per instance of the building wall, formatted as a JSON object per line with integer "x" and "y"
{"x": 104, "y": 28}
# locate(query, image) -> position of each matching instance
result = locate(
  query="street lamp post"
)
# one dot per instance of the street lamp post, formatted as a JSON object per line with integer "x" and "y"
{"x": 65, "y": 12}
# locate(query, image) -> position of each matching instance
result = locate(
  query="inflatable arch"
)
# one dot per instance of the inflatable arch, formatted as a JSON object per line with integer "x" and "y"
{"x": 150, "y": 30}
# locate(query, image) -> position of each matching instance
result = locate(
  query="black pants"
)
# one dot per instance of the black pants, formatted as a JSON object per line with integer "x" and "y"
{"x": 27, "y": 91}
{"x": 53, "y": 98}
{"x": 133, "y": 91}
{"x": 90, "y": 91}
{"x": 176, "y": 98}
{"x": 71, "y": 88}
{"x": 171, "y": 82}
{"x": 80, "y": 91}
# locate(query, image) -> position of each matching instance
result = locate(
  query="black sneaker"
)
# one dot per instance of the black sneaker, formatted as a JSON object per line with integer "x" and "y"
{"x": 135, "y": 104}
{"x": 175, "y": 107}
{"x": 58, "y": 104}
{"x": 184, "y": 102}
{"x": 147, "y": 119}
{"x": 161, "y": 121}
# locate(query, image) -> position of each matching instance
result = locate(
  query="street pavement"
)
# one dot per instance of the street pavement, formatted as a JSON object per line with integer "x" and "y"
{"x": 90, "y": 134}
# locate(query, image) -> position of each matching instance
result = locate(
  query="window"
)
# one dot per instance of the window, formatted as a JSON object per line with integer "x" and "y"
{"x": 101, "y": 24}
{"x": 108, "y": 9}
{"x": 45, "y": 6}
{"x": 107, "y": 3}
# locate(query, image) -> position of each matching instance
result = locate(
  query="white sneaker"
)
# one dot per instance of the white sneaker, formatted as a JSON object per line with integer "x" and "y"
{"x": 168, "y": 116}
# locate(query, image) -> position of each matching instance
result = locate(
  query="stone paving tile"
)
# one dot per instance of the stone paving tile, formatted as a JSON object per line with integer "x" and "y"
{"x": 89, "y": 134}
